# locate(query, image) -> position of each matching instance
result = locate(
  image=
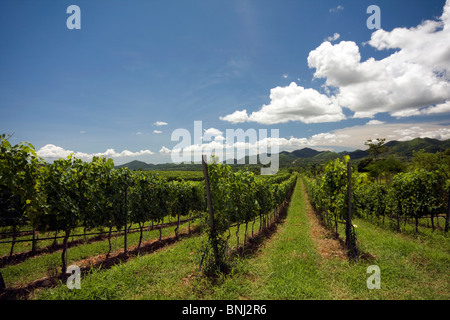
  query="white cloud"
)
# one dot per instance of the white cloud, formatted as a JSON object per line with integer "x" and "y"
{"x": 414, "y": 80}
{"x": 139, "y": 133}
{"x": 213, "y": 132}
{"x": 337, "y": 9}
{"x": 348, "y": 138}
{"x": 418, "y": 131}
{"x": 157, "y": 131}
{"x": 160, "y": 123}
{"x": 51, "y": 152}
{"x": 334, "y": 37}
{"x": 236, "y": 117}
{"x": 374, "y": 122}
{"x": 439, "y": 108}
{"x": 357, "y": 135}
{"x": 82, "y": 132}
{"x": 165, "y": 150}
{"x": 292, "y": 103}
{"x": 285, "y": 76}
{"x": 291, "y": 143}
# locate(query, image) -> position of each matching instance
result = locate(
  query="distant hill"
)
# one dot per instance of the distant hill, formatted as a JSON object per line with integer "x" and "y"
{"x": 135, "y": 165}
{"x": 402, "y": 149}
{"x": 326, "y": 155}
{"x": 406, "y": 148}
{"x": 305, "y": 153}
{"x": 140, "y": 165}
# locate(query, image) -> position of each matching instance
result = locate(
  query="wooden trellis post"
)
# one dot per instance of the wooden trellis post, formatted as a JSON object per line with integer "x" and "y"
{"x": 348, "y": 224}
{"x": 447, "y": 217}
{"x": 2, "y": 283}
{"x": 349, "y": 236}
{"x": 126, "y": 221}
{"x": 213, "y": 236}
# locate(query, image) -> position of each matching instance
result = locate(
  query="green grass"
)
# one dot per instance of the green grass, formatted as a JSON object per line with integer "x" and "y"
{"x": 413, "y": 266}
{"x": 160, "y": 275}
{"x": 410, "y": 268}
{"x": 50, "y": 264}
{"x": 23, "y": 247}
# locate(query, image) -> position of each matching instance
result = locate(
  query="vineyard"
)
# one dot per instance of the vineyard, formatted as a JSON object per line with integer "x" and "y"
{"x": 414, "y": 195}
{"x": 226, "y": 233}
{"x": 70, "y": 196}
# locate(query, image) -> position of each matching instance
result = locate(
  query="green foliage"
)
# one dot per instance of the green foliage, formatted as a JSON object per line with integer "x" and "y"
{"x": 241, "y": 196}
{"x": 417, "y": 194}
{"x": 377, "y": 147}
{"x": 362, "y": 165}
{"x": 431, "y": 161}
{"x": 386, "y": 167}
{"x": 328, "y": 193}
{"x": 20, "y": 189}
{"x": 70, "y": 193}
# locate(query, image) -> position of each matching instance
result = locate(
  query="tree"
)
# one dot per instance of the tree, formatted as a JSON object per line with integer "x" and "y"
{"x": 362, "y": 165}
{"x": 385, "y": 167}
{"x": 376, "y": 147}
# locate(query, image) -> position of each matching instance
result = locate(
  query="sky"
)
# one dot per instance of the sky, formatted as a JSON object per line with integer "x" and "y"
{"x": 135, "y": 71}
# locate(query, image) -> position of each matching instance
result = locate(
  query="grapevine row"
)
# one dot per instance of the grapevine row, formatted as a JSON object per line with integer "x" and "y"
{"x": 241, "y": 197}
{"x": 70, "y": 193}
{"x": 410, "y": 195}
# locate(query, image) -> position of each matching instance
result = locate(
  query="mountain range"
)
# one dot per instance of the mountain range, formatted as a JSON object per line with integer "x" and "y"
{"x": 403, "y": 149}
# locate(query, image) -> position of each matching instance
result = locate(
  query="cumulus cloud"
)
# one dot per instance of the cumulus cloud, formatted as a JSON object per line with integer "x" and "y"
{"x": 236, "y": 117}
{"x": 411, "y": 81}
{"x": 348, "y": 138}
{"x": 165, "y": 150}
{"x": 420, "y": 132}
{"x": 157, "y": 131}
{"x": 292, "y": 103}
{"x": 414, "y": 80}
{"x": 253, "y": 146}
{"x": 51, "y": 152}
{"x": 213, "y": 132}
{"x": 334, "y": 37}
{"x": 439, "y": 108}
{"x": 374, "y": 122}
{"x": 357, "y": 135}
{"x": 160, "y": 123}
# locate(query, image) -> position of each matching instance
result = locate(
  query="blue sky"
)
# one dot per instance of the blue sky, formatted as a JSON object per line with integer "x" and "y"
{"x": 135, "y": 63}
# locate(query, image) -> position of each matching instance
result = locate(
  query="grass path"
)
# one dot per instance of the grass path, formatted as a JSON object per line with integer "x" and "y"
{"x": 286, "y": 267}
